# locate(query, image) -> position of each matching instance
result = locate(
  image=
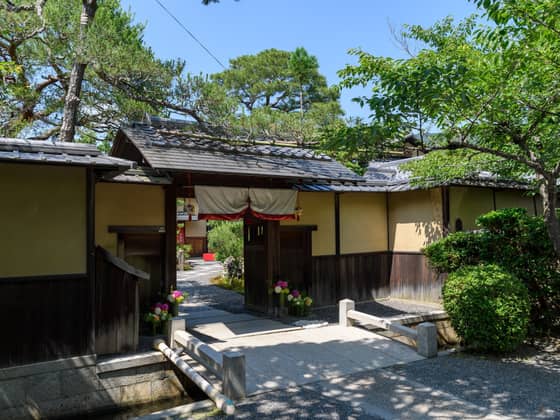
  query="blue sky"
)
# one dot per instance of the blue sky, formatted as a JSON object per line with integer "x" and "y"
{"x": 326, "y": 28}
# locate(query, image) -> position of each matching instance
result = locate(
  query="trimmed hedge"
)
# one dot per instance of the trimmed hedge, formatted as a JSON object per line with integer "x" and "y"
{"x": 517, "y": 242}
{"x": 488, "y": 307}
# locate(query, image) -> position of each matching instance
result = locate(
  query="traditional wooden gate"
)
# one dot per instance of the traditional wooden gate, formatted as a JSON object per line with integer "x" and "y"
{"x": 117, "y": 309}
{"x": 261, "y": 255}
{"x": 295, "y": 256}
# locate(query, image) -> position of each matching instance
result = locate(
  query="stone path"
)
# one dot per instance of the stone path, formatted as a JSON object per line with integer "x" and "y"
{"x": 279, "y": 355}
{"x": 324, "y": 373}
{"x": 290, "y": 358}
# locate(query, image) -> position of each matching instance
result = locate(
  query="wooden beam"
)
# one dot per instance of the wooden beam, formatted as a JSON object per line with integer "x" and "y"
{"x": 135, "y": 229}
{"x": 272, "y": 252}
{"x": 494, "y": 198}
{"x": 337, "y": 223}
{"x": 387, "y": 214}
{"x": 170, "y": 270}
{"x": 298, "y": 228}
{"x": 90, "y": 259}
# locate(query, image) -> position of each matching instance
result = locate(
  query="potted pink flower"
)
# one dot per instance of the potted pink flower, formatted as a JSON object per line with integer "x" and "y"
{"x": 281, "y": 289}
{"x": 158, "y": 317}
{"x": 176, "y": 297}
{"x": 300, "y": 304}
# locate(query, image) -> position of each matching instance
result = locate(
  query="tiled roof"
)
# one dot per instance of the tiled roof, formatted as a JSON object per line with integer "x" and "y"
{"x": 72, "y": 154}
{"x": 388, "y": 176}
{"x": 177, "y": 150}
{"x": 393, "y": 178}
{"x": 138, "y": 176}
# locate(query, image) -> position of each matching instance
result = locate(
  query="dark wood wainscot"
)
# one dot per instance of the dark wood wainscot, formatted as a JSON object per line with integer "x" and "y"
{"x": 412, "y": 278}
{"x": 360, "y": 277}
{"x": 45, "y": 318}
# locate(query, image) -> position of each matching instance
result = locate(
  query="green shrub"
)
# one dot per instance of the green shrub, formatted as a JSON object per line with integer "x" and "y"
{"x": 488, "y": 307}
{"x": 226, "y": 239}
{"x": 233, "y": 268}
{"x": 454, "y": 251}
{"x": 516, "y": 241}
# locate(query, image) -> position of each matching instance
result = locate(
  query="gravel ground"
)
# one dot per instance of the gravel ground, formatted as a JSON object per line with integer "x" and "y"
{"x": 296, "y": 403}
{"x": 525, "y": 385}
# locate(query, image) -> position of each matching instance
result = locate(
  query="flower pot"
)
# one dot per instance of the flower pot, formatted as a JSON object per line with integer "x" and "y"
{"x": 174, "y": 309}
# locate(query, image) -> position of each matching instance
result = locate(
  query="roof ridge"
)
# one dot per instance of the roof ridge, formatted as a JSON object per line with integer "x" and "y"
{"x": 157, "y": 137}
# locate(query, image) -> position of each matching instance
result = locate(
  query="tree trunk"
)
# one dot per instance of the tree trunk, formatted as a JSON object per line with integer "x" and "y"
{"x": 547, "y": 191}
{"x": 72, "y": 100}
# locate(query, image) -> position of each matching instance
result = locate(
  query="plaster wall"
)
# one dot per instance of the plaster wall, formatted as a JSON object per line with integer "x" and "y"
{"x": 318, "y": 209}
{"x": 415, "y": 219}
{"x": 363, "y": 222}
{"x": 515, "y": 198}
{"x": 467, "y": 203}
{"x": 42, "y": 219}
{"x": 126, "y": 204}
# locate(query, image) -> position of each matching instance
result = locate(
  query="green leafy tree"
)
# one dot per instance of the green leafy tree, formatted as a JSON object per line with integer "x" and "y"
{"x": 269, "y": 91}
{"x": 303, "y": 67}
{"x": 226, "y": 239}
{"x": 266, "y": 80}
{"x": 491, "y": 91}
{"x": 58, "y": 74}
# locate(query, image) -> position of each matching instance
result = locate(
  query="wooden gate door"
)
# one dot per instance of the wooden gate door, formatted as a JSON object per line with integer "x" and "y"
{"x": 295, "y": 257}
{"x": 261, "y": 255}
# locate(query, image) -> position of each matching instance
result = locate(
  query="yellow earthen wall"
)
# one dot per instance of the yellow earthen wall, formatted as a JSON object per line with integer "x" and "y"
{"x": 515, "y": 198}
{"x": 467, "y": 203}
{"x": 415, "y": 219}
{"x": 126, "y": 204}
{"x": 42, "y": 220}
{"x": 318, "y": 209}
{"x": 363, "y": 222}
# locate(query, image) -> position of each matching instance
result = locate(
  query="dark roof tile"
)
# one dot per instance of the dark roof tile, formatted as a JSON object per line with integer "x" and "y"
{"x": 175, "y": 150}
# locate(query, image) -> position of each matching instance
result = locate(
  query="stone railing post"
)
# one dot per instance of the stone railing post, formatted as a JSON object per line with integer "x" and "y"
{"x": 175, "y": 324}
{"x": 344, "y": 306}
{"x": 426, "y": 343}
{"x": 233, "y": 375}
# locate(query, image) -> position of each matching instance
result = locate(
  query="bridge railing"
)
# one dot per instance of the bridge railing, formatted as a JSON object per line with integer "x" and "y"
{"x": 228, "y": 366}
{"x": 425, "y": 334}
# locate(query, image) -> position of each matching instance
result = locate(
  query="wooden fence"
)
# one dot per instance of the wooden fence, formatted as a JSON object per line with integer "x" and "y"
{"x": 117, "y": 313}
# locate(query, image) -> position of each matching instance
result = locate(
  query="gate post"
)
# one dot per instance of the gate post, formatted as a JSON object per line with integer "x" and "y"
{"x": 344, "y": 306}
{"x": 233, "y": 375}
{"x": 175, "y": 324}
{"x": 426, "y": 343}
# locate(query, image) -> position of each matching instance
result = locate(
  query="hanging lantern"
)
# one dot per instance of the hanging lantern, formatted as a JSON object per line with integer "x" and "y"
{"x": 191, "y": 208}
